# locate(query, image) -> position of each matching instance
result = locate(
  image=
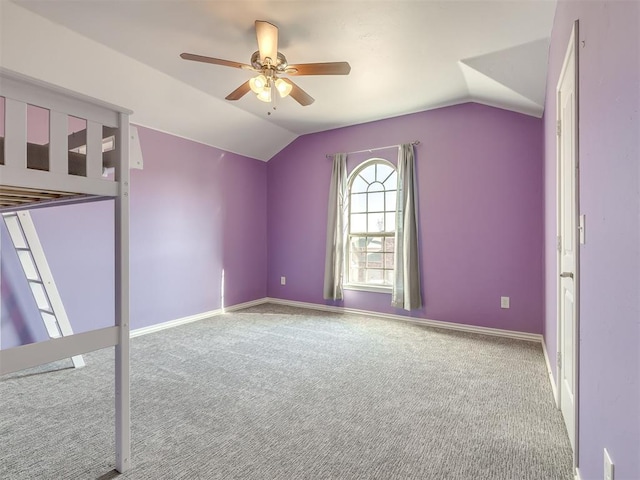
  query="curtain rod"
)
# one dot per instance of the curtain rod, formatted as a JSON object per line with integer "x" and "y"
{"x": 416, "y": 142}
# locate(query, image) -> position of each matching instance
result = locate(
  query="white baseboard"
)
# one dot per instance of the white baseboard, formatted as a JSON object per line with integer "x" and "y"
{"x": 577, "y": 477}
{"x": 496, "y": 332}
{"x": 193, "y": 318}
{"x": 550, "y": 373}
{"x": 240, "y": 306}
{"x": 174, "y": 323}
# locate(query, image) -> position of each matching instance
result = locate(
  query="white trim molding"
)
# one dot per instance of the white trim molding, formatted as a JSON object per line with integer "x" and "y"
{"x": 251, "y": 303}
{"x": 550, "y": 373}
{"x": 174, "y": 323}
{"x": 577, "y": 476}
{"x": 193, "y": 318}
{"x": 496, "y": 332}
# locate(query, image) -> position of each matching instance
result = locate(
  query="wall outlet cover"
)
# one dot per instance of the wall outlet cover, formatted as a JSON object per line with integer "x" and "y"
{"x": 504, "y": 302}
{"x": 283, "y": 280}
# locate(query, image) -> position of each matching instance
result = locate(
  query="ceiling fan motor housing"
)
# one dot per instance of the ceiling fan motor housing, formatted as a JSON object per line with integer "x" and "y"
{"x": 280, "y": 65}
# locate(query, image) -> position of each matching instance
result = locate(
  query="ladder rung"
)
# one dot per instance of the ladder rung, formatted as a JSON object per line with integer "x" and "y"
{"x": 38, "y": 275}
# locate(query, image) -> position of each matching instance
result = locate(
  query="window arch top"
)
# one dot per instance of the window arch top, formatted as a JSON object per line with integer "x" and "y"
{"x": 374, "y": 175}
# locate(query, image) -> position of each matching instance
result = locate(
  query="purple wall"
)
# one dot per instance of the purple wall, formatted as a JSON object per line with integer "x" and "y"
{"x": 195, "y": 210}
{"x": 609, "y": 83}
{"x": 480, "y": 214}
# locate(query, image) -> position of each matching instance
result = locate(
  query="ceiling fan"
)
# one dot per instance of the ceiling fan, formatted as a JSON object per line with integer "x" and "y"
{"x": 271, "y": 65}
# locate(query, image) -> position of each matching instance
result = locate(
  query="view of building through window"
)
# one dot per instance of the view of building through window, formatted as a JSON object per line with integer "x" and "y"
{"x": 371, "y": 237}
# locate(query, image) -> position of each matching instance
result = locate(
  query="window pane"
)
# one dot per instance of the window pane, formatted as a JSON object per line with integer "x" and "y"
{"x": 376, "y": 202}
{"x": 359, "y": 185}
{"x": 374, "y": 260}
{"x": 357, "y": 275}
{"x": 375, "y": 222}
{"x": 390, "y": 198}
{"x": 383, "y": 171}
{"x": 388, "y": 260}
{"x": 389, "y": 244}
{"x": 375, "y": 276}
{"x": 390, "y": 222}
{"x": 369, "y": 173}
{"x": 357, "y": 244}
{"x": 376, "y": 187}
{"x": 392, "y": 182}
{"x": 357, "y": 251}
{"x": 374, "y": 244}
{"x": 388, "y": 274}
{"x": 357, "y": 259}
{"x": 358, "y": 223}
{"x": 359, "y": 202}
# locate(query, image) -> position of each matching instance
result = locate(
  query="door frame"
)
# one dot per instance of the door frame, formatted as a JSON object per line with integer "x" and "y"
{"x": 572, "y": 48}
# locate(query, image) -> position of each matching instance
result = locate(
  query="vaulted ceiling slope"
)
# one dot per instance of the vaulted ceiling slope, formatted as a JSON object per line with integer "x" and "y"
{"x": 406, "y": 56}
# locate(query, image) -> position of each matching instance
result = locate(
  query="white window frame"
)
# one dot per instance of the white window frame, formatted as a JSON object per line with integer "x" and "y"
{"x": 364, "y": 286}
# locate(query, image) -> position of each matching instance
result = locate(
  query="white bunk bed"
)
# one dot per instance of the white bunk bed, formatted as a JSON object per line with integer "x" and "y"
{"x": 69, "y": 169}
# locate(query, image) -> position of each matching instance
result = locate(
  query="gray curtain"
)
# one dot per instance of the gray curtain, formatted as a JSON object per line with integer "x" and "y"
{"x": 335, "y": 250}
{"x": 406, "y": 286}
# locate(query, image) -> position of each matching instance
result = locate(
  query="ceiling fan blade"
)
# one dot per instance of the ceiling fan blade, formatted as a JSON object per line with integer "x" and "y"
{"x": 267, "y": 35}
{"x": 330, "y": 68}
{"x": 299, "y": 95}
{"x": 215, "y": 61}
{"x": 239, "y": 92}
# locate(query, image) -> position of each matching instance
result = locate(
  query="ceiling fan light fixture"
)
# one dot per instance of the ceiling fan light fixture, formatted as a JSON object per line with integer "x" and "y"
{"x": 265, "y": 95}
{"x": 284, "y": 88}
{"x": 258, "y": 84}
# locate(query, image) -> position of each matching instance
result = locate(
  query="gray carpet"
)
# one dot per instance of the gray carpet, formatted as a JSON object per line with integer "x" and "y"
{"x": 275, "y": 392}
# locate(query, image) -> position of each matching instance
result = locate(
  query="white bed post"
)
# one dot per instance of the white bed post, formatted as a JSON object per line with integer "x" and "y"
{"x": 123, "y": 420}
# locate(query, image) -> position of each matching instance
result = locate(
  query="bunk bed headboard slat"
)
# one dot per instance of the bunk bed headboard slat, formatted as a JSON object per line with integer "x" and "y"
{"x": 94, "y": 149}
{"x": 58, "y": 150}
{"x": 15, "y": 131}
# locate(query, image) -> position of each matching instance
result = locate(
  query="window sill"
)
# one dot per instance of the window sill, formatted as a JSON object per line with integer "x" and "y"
{"x": 368, "y": 288}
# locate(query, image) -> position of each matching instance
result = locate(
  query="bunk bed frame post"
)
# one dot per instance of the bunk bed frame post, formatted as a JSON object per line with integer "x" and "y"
{"x": 27, "y": 186}
{"x": 122, "y": 385}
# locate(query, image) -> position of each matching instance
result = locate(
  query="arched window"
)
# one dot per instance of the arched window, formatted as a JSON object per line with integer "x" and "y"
{"x": 372, "y": 224}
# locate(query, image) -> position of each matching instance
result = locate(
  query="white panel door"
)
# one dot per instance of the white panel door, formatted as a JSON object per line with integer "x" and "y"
{"x": 567, "y": 223}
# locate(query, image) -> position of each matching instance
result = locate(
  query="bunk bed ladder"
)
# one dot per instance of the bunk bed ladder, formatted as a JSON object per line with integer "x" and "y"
{"x": 36, "y": 268}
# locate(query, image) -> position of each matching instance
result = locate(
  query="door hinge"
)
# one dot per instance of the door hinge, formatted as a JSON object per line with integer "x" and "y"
{"x": 559, "y": 243}
{"x": 559, "y": 359}
{"x": 558, "y": 128}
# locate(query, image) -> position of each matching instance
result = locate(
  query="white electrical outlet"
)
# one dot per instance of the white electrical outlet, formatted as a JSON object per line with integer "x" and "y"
{"x": 283, "y": 280}
{"x": 504, "y": 302}
{"x": 608, "y": 466}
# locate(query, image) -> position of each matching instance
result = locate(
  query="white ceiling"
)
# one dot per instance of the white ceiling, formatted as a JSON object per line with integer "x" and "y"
{"x": 406, "y": 56}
